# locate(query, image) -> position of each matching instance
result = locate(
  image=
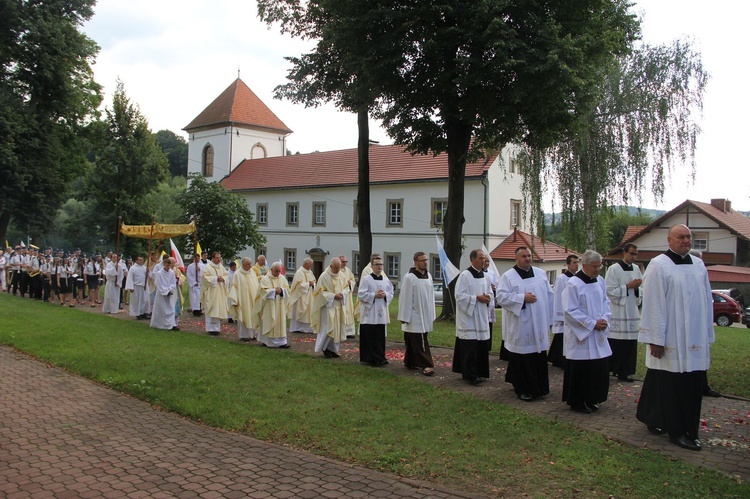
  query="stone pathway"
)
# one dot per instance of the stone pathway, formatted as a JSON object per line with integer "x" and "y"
{"x": 62, "y": 436}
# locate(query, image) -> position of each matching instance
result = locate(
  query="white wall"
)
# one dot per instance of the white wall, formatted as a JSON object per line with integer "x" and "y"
{"x": 339, "y": 236}
{"x": 232, "y": 145}
{"x": 719, "y": 240}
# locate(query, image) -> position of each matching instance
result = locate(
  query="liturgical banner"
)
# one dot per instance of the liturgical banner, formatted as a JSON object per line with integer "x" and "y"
{"x": 157, "y": 230}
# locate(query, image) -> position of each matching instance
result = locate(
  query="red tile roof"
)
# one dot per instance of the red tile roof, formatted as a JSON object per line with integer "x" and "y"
{"x": 734, "y": 222}
{"x": 388, "y": 164}
{"x": 540, "y": 252}
{"x": 630, "y": 232}
{"x": 238, "y": 105}
{"x": 727, "y": 273}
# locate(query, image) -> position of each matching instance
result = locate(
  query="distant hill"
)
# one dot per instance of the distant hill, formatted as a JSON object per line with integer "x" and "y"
{"x": 633, "y": 210}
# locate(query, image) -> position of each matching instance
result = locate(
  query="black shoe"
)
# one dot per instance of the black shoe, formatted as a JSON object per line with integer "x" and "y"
{"x": 625, "y": 378}
{"x": 526, "y": 397}
{"x": 593, "y": 407}
{"x": 245, "y": 339}
{"x": 686, "y": 442}
{"x": 710, "y": 392}
{"x": 334, "y": 355}
{"x": 213, "y": 333}
{"x": 583, "y": 408}
{"x": 175, "y": 328}
{"x": 327, "y": 354}
{"x": 286, "y": 346}
{"x": 349, "y": 337}
{"x": 654, "y": 430}
{"x": 230, "y": 321}
{"x": 476, "y": 381}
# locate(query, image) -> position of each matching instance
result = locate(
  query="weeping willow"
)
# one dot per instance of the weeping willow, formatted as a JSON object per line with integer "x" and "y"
{"x": 644, "y": 121}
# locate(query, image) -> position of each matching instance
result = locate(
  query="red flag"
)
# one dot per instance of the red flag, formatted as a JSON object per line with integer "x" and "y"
{"x": 176, "y": 255}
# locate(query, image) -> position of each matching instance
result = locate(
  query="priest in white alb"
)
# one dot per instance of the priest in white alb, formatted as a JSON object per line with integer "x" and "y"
{"x": 140, "y": 295}
{"x": 587, "y": 315}
{"x": 365, "y": 272}
{"x": 270, "y": 308}
{"x": 214, "y": 294}
{"x": 473, "y": 297}
{"x": 165, "y": 282}
{"x": 416, "y": 312}
{"x": 623, "y": 288}
{"x": 555, "y": 354}
{"x": 677, "y": 328}
{"x": 351, "y": 283}
{"x": 375, "y": 293}
{"x": 527, "y": 300}
{"x": 301, "y": 298}
{"x": 194, "y": 273}
{"x": 113, "y": 275}
{"x": 328, "y": 315}
{"x": 243, "y": 293}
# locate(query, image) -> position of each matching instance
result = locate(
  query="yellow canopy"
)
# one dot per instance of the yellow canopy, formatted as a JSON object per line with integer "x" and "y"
{"x": 157, "y": 230}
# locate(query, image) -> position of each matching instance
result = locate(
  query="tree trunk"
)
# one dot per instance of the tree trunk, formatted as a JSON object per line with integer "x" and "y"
{"x": 459, "y": 140}
{"x": 364, "y": 226}
{"x": 4, "y": 222}
{"x": 589, "y": 205}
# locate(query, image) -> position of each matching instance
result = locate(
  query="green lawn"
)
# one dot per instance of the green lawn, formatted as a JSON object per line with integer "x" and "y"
{"x": 730, "y": 354}
{"x": 365, "y": 416}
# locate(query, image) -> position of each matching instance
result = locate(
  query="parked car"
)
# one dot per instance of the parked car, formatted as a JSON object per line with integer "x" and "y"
{"x": 746, "y": 317}
{"x": 726, "y": 310}
{"x": 438, "y": 291}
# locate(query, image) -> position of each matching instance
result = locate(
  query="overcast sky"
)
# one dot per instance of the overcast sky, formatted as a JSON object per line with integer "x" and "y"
{"x": 175, "y": 56}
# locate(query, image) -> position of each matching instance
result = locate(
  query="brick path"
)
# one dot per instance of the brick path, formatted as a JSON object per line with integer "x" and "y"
{"x": 59, "y": 437}
{"x": 63, "y": 436}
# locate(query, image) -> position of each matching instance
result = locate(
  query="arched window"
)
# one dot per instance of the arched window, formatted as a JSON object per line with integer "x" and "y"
{"x": 258, "y": 151}
{"x": 208, "y": 161}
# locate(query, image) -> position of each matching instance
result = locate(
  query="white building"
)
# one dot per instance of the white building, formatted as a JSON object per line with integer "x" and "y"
{"x": 234, "y": 127}
{"x": 305, "y": 204}
{"x": 719, "y": 232}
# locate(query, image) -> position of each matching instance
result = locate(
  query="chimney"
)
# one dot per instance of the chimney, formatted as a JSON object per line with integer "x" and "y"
{"x": 724, "y": 205}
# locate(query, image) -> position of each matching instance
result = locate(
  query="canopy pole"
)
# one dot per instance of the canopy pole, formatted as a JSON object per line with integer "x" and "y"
{"x": 119, "y": 226}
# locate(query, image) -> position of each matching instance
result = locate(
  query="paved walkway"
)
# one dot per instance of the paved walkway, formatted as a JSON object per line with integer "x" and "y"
{"x": 64, "y": 436}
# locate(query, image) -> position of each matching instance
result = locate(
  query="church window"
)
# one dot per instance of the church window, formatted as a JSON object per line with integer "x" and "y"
{"x": 261, "y": 213}
{"x": 290, "y": 259}
{"x": 435, "y": 269}
{"x": 208, "y": 161}
{"x": 394, "y": 213}
{"x": 515, "y": 213}
{"x": 700, "y": 241}
{"x": 319, "y": 214}
{"x": 439, "y": 205}
{"x": 393, "y": 264}
{"x": 292, "y": 214}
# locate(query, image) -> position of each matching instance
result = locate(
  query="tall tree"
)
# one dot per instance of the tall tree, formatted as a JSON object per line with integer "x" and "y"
{"x": 128, "y": 167}
{"x": 223, "y": 220}
{"x": 176, "y": 149}
{"x": 482, "y": 74}
{"x": 344, "y": 67}
{"x": 643, "y": 120}
{"x": 476, "y": 75}
{"x": 47, "y": 93}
